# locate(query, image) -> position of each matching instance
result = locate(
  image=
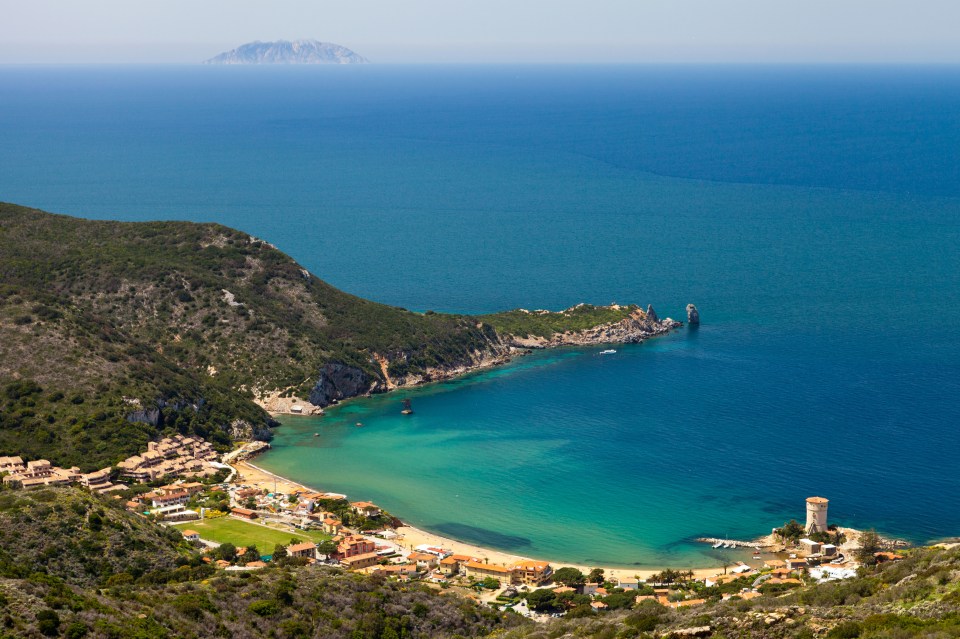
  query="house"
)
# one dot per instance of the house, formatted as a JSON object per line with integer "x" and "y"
{"x": 449, "y": 566}
{"x": 365, "y": 508}
{"x": 191, "y": 535}
{"x": 12, "y": 465}
{"x": 307, "y": 549}
{"x": 396, "y": 570}
{"x": 590, "y": 588}
{"x": 97, "y": 479}
{"x": 175, "y": 512}
{"x": 164, "y": 499}
{"x": 425, "y": 561}
{"x": 359, "y": 562}
{"x": 598, "y": 605}
{"x": 531, "y": 573}
{"x": 353, "y": 546}
{"x": 809, "y": 547}
{"x": 774, "y": 563}
{"x": 629, "y": 584}
{"x": 796, "y": 564}
{"x": 245, "y": 513}
{"x": 332, "y": 526}
{"x": 828, "y": 550}
{"x": 479, "y": 570}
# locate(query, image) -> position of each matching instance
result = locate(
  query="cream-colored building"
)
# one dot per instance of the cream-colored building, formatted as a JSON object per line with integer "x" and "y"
{"x": 817, "y": 514}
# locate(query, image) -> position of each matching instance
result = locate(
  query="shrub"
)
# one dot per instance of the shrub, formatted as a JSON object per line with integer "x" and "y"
{"x": 264, "y": 607}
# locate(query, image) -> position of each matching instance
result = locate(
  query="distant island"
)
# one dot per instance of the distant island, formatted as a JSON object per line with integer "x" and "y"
{"x": 284, "y": 52}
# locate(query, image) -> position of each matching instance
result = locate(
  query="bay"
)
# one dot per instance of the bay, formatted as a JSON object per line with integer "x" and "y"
{"x": 810, "y": 213}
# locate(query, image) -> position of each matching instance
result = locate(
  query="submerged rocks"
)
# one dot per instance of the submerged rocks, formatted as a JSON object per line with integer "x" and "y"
{"x": 693, "y": 315}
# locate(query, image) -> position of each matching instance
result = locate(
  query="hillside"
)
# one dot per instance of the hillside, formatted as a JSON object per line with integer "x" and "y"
{"x": 284, "y": 52}
{"x": 77, "y": 565}
{"x": 112, "y": 333}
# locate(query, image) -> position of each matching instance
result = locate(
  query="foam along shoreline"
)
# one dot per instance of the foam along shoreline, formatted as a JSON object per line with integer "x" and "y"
{"x": 410, "y": 537}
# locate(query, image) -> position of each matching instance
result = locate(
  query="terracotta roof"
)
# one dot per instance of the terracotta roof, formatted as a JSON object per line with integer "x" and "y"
{"x": 488, "y": 567}
{"x": 190, "y": 533}
{"x": 531, "y": 565}
{"x": 421, "y": 556}
{"x": 308, "y": 545}
{"x": 359, "y": 558}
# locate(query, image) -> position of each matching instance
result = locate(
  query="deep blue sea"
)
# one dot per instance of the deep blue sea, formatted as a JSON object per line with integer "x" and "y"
{"x": 812, "y": 214}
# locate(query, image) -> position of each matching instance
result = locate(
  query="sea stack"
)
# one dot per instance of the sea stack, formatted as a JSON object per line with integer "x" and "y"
{"x": 652, "y": 314}
{"x": 693, "y": 315}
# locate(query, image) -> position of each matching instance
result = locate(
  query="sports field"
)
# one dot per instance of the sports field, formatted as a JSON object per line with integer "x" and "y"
{"x": 244, "y": 533}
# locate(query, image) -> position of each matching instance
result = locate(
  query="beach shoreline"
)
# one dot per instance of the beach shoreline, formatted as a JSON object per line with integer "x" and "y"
{"x": 410, "y": 536}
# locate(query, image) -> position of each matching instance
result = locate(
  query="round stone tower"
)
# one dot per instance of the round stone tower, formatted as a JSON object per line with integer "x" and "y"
{"x": 817, "y": 514}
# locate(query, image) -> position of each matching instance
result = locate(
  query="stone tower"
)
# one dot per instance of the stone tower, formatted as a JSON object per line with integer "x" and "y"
{"x": 817, "y": 514}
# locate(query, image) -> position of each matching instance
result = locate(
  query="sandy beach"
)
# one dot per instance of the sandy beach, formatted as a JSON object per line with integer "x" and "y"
{"x": 411, "y": 537}
{"x": 252, "y": 475}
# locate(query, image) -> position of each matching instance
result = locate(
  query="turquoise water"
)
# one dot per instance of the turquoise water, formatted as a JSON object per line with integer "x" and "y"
{"x": 812, "y": 214}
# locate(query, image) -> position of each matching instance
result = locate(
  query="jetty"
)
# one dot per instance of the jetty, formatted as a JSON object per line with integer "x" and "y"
{"x": 716, "y": 542}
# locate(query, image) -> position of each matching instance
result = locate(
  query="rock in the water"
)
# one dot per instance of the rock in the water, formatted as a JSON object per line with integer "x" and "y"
{"x": 652, "y": 314}
{"x": 693, "y": 315}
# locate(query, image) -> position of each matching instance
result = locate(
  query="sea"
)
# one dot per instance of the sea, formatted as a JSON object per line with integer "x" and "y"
{"x": 811, "y": 213}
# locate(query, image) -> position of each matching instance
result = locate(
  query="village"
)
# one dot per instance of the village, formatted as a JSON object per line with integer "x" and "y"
{"x": 242, "y": 525}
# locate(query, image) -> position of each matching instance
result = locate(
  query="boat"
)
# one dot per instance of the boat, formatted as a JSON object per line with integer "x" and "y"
{"x": 718, "y": 544}
{"x": 407, "y": 410}
{"x": 609, "y": 351}
{"x": 316, "y": 434}
{"x": 359, "y": 424}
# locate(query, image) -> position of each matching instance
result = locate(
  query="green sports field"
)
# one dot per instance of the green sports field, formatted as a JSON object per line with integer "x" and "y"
{"x": 243, "y": 533}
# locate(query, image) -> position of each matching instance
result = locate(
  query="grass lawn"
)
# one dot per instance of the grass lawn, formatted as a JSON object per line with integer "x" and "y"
{"x": 244, "y": 533}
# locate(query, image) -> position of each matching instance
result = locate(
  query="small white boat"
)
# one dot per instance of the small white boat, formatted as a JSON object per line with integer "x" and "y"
{"x": 609, "y": 351}
{"x": 718, "y": 544}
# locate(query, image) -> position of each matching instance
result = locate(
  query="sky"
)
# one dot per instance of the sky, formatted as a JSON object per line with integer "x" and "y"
{"x": 506, "y": 31}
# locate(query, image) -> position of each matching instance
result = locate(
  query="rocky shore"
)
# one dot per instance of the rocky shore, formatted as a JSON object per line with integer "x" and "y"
{"x": 338, "y": 381}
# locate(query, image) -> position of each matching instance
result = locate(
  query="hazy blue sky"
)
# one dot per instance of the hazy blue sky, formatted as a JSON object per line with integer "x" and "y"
{"x": 489, "y": 30}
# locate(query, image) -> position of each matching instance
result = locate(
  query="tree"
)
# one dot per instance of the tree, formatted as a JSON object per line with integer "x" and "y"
{"x": 227, "y": 552}
{"x": 595, "y": 576}
{"x": 542, "y": 600}
{"x": 251, "y": 554}
{"x": 279, "y": 553}
{"x": 869, "y": 545}
{"x": 326, "y": 547}
{"x": 791, "y": 531}
{"x": 569, "y": 577}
